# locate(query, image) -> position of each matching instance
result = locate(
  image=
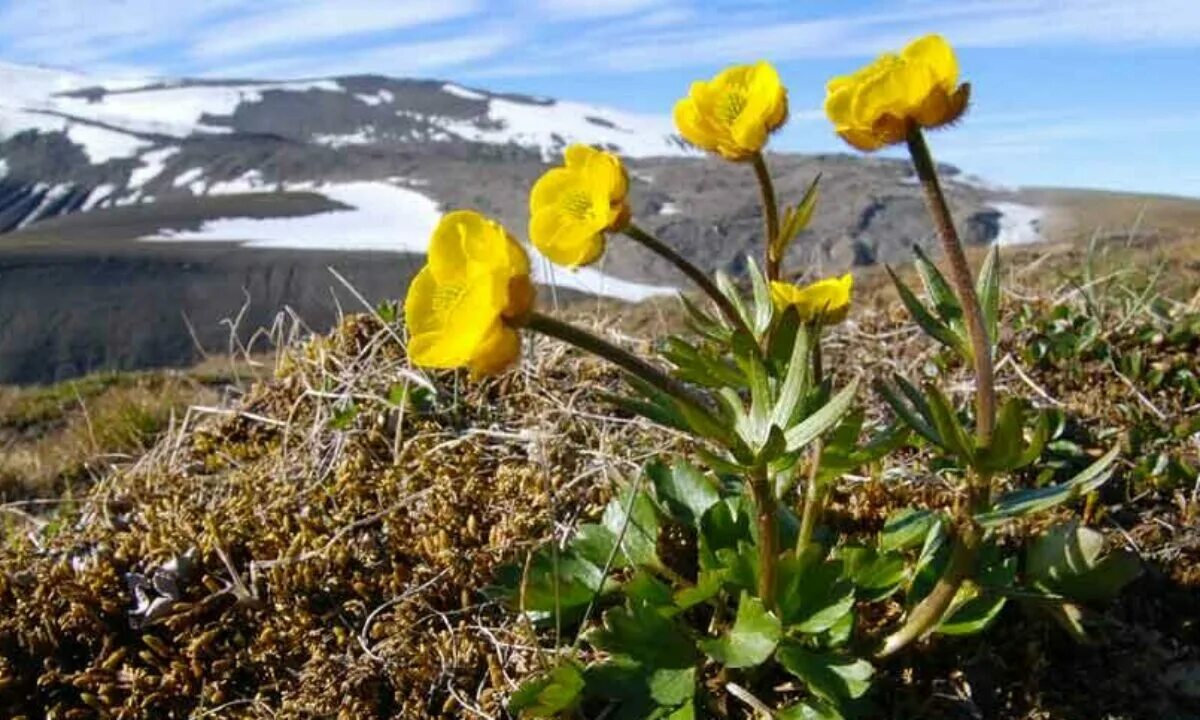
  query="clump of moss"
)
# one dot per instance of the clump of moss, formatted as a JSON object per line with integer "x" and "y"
{"x": 317, "y": 550}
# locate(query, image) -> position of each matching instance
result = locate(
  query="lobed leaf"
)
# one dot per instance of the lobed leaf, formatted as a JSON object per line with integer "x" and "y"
{"x": 751, "y": 640}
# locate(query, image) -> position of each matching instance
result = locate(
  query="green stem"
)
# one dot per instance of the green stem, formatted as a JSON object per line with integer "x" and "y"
{"x": 623, "y": 359}
{"x": 695, "y": 274}
{"x": 964, "y": 284}
{"x": 928, "y": 613}
{"x": 770, "y": 213}
{"x": 814, "y": 496}
{"x": 964, "y": 552}
{"x": 766, "y": 516}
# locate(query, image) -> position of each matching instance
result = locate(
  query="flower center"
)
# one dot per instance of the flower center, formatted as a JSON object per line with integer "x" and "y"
{"x": 732, "y": 105}
{"x": 578, "y": 205}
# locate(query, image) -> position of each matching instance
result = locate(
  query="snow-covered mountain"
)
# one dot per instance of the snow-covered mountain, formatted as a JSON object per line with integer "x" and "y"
{"x": 93, "y": 143}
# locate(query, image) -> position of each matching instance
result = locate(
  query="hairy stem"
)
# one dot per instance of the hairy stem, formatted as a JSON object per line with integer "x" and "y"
{"x": 770, "y": 213}
{"x": 964, "y": 285}
{"x": 964, "y": 552}
{"x": 765, "y": 513}
{"x": 929, "y": 612}
{"x": 622, "y": 358}
{"x": 695, "y": 274}
{"x": 814, "y": 496}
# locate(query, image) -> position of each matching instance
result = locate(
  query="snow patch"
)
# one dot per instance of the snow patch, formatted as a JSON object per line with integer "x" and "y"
{"x": 98, "y": 195}
{"x": 152, "y": 164}
{"x": 102, "y": 144}
{"x": 553, "y": 126}
{"x": 385, "y": 218}
{"x": 379, "y": 98}
{"x": 974, "y": 181}
{"x": 1019, "y": 224}
{"x": 187, "y": 176}
{"x": 364, "y": 136}
{"x": 463, "y": 92}
{"x": 594, "y": 282}
{"x": 247, "y": 182}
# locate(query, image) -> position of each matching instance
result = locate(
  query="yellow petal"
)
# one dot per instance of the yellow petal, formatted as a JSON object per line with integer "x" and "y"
{"x": 864, "y": 140}
{"x": 837, "y": 105}
{"x": 551, "y": 186}
{"x": 566, "y": 241}
{"x": 578, "y": 155}
{"x": 935, "y": 54}
{"x": 499, "y": 349}
{"x": 690, "y": 126}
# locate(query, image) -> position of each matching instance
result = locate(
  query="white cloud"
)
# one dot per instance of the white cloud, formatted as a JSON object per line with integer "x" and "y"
{"x": 298, "y": 22}
{"x": 410, "y": 58}
{"x": 575, "y": 9}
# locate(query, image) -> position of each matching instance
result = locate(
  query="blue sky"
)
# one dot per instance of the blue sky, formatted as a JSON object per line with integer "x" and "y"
{"x": 1091, "y": 93}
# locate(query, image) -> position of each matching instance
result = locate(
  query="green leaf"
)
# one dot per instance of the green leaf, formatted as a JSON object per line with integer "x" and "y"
{"x": 795, "y": 219}
{"x": 686, "y": 491}
{"x": 911, "y": 417}
{"x": 835, "y": 678}
{"x": 796, "y": 382}
{"x": 877, "y": 575}
{"x": 722, "y": 527}
{"x": 646, "y": 589}
{"x": 813, "y": 597}
{"x": 764, "y": 308}
{"x": 343, "y": 416}
{"x": 633, "y": 522}
{"x": 812, "y": 427}
{"x": 751, "y": 640}
{"x": 945, "y": 302}
{"x": 810, "y": 709}
{"x": 906, "y": 528}
{"x": 695, "y": 365}
{"x": 974, "y": 615}
{"x": 987, "y": 287}
{"x": 597, "y": 545}
{"x": 642, "y": 634}
{"x": 1021, "y": 503}
{"x": 704, "y": 324}
{"x": 708, "y": 584}
{"x": 1069, "y": 560}
{"x": 639, "y": 691}
{"x": 547, "y": 695}
{"x": 955, "y": 439}
{"x": 1008, "y": 439}
{"x": 932, "y": 326}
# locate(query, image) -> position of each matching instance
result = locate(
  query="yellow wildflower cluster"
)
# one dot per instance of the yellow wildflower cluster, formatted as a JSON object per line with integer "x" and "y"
{"x": 466, "y": 306}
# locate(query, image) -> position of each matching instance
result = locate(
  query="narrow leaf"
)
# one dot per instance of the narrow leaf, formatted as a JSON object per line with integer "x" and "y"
{"x": 1025, "y": 502}
{"x": 815, "y": 425}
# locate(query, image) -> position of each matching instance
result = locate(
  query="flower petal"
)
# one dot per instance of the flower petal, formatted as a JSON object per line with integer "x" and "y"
{"x": 935, "y": 54}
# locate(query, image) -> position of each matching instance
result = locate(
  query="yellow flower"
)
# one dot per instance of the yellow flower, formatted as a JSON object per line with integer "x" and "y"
{"x": 875, "y": 106}
{"x": 572, "y": 206}
{"x": 475, "y": 278}
{"x": 825, "y": 301}
{"x": 733, "y": 113}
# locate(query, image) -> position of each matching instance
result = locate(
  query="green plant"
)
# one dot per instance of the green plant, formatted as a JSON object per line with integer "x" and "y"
{"x": 718, "y": 578}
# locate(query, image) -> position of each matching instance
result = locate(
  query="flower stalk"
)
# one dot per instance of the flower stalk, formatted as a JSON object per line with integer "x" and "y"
{"x": 623, "y": 359}
{"x": 964, "y": 284}
{"x": 766, "y": 518}
{"x": 968, "y": 537}
{"x": 770, "y": 213}
{"x": 695, "y": 274}
{"x": 814, "y": 495}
